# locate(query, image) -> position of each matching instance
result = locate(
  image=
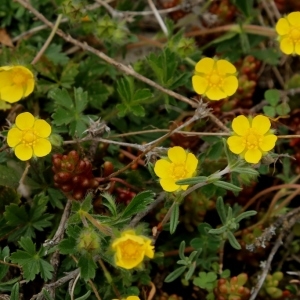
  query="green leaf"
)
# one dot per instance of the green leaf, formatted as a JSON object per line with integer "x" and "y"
{"x": 218, "y": 230}
{"x": 87, "y": 267}
{"x": 205, "y": 280}
{"x": 270, "y": 56}
{"x": 15, "y": 292}
{"x": 138, "y": 110}
{"x": 269, "y": 111}
{"x": 272, "y": 96}
{"x": 221, "y": 209}
{"x": 190, "y": 181}
{"x": 246, "y": 7}
{"x": 9, "y": 177}
{"x": 131, "y": 97}
{"x": 227, "y": 186}
{"x": 3, "y": 268}
{"x": 181, "y": 250}
{"x": 164, "y": 66}
{"x": 67, "y": 246}
{"x": 85, "y": 296}
{"x": 245, "y": 215}
{"x": 54, "y": 53}
{"x": 233, "y": 241}
{"x": 30, "y": 261}
{"x": 81, "y": 100}
{"x": 138, "y": 203}
{"x": 283, "y": 109}
{"x": 110, "y": 203}
{"x": 245, "y": 170}
{"x": 190, "y": 272}
{"x": 61, "y": 98}
{"x": 175, "y": 274}
{"x": 174, "y": 219}
{"x": 68, "y": 74}
{"x": 47, "y": 295}
{"x": 86, "y": 205}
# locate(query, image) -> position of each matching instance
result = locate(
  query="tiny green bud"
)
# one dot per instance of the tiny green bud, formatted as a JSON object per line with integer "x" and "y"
{"x": 88, "y": 241}
{"x": 56, "y": 140}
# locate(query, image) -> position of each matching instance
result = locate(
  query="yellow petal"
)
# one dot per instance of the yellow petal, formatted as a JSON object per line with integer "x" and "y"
{"x": 225, "y": 67}
{"x": 29, "y": 87}
{"x": 14, "y": 137}
{"x": 42, "y": 147}
{"x": 200, "y": 84}
{"x": 215, "y": 93}
{"x": 25, "y": 121}
{"x": 6, "y": 68}
{"x": 42, "y": 128}
{"x": 261, "y": 123}
{"x": 268, "y": 142}
{"x": 294, "y": 18}
{"x": 149, "y": 249}
{"x": 205, "y": 65}
{"x": 162, "y": 168}
{"x": 297, "y": 48}
{"x": 177, "y": 154}
{"x": 240, "y": 125}
{"x": 133, "y": 298}
{"x": 11, "y": 93}
{"x": 5, "y": 79}
{"x": 191, "y": 163}
{"x": 287, "y": 46}
{"x": 184, "y": 187}
{"x": 253, "y": 156}
{"x": 230, "y": 85}
{"x": 282, "y": 26}
{"x": 23, "y": 152}
{"x": 168, "y": 185}
{"x": 235, "y": 144}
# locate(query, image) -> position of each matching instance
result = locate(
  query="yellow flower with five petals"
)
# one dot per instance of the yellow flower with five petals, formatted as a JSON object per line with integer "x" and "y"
{"x": 16, "y": 82}
{"x": 131, "y": 249}
{"x": 179, "y": 165}
{"x": 252, "y": 138}
{"x": 288, "y": 29}
{"x": 216, "y": 79}
{"x": 29, "y": 137}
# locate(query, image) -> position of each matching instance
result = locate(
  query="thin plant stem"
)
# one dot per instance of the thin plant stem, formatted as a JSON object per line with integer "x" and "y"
{"x": 109, "y": 278}
{"x": 48, "y": 41}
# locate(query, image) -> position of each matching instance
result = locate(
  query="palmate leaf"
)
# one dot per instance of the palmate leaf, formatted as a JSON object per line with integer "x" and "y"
{"x": 30, "y": 260}
{"x": 25, "y": 221}
{"x": 87, "y": 267}
{"x": 138, "y": 204}
{"x": 69, "y": 111}
{"x": 132, "y": 98}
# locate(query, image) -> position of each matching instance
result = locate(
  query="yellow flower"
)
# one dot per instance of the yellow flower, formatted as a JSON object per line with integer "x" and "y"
{"x": 16, "y": 82}
{"x": 131, "y": 249}
{"x": 216, "y": 79}
{"x": 178, "y": 165}
{"x": 252, "y": 138}
{"x": 29, "y": 137}
{"x": 288, "y": 29}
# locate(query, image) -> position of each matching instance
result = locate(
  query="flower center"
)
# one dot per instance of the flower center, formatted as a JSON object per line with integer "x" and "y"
{"x": 178, "y": 171}
{"x": 214, "y": 79}
{"x": 130, "y": 249}
{"x": 18, "y": 79}
{"x": 29, "y": 137}
{"x": 295, "y": 34}
{"x": 252, "y": 139}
